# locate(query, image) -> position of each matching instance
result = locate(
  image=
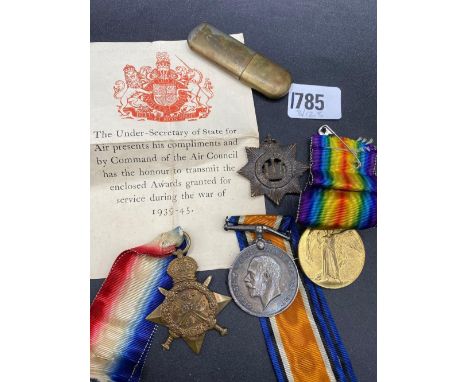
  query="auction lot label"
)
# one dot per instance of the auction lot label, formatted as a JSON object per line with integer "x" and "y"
{"x": 314, "y": 102}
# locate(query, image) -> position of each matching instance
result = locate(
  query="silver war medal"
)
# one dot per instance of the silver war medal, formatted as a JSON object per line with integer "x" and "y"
{"x": 263, "y": 279}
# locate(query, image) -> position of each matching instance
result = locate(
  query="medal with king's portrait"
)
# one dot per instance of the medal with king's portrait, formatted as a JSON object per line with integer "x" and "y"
{"x": 162, "y": 93}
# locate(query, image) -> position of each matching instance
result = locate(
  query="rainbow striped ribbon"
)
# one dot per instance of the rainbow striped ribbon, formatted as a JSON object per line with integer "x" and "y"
{"x": 340, "y": 194}
{"x": 303, "y": 341}
{"x": 120, "y": 334}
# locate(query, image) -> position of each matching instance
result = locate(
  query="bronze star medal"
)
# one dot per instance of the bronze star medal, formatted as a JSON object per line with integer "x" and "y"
{"x": 190, "y": 308}
{"x": 273, "y": 170}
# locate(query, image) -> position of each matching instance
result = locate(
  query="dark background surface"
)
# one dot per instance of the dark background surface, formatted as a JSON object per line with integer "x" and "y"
{"x": 331, "y": 43}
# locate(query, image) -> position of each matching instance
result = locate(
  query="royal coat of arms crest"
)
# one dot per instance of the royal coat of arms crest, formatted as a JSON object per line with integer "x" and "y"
{"x": 162, "y": 93}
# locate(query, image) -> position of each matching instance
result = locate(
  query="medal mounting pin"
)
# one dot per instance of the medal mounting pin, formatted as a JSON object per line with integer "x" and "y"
{"x": 259, "y": 231}
{"x": 327, "y": 130}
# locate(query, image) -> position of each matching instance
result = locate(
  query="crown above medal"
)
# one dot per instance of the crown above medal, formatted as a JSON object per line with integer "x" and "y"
{"x": 183, "y": 268}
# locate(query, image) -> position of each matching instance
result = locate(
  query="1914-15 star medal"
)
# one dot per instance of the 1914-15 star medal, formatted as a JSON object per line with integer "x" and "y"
{"x": 190, "y": 308}
{"x": 273, "y": 170}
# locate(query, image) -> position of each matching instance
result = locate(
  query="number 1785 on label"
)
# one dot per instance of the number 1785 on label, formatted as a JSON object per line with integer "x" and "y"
{"x": 314, "y": 102}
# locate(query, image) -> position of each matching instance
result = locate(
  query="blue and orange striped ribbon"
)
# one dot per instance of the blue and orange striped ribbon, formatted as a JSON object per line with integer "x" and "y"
{"x": 303, "y": 342}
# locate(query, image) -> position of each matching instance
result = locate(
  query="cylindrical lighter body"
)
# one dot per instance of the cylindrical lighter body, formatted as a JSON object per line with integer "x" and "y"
{"x": 253, "y": 69}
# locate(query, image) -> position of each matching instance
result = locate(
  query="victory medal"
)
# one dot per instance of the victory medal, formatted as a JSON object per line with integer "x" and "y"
{"x": 331, "y": 258}
{"x": 190, "y": 308}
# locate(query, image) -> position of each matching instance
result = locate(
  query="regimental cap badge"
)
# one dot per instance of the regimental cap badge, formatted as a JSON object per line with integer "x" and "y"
{"x": 273, "y": 170}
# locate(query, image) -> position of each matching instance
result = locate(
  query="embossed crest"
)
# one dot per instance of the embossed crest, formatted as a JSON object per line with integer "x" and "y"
{"x": 162, "y": 93}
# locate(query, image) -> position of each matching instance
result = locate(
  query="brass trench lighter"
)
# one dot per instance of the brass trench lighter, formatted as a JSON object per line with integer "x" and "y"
{"x": 250, "y": 67}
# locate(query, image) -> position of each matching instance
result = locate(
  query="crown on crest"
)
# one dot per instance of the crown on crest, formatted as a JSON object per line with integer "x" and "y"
{"x": 183, "y": 268}
{"x": 162, "y": 59}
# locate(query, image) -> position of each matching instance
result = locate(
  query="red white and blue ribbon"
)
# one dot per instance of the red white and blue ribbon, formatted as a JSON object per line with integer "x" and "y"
{"x": 303, "y": 342}
{"x": 120, "y": 334}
